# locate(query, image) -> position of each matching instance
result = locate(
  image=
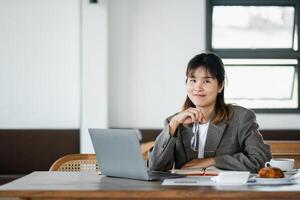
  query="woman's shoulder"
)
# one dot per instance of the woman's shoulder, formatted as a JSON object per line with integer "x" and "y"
{"x": 240, "y": 111}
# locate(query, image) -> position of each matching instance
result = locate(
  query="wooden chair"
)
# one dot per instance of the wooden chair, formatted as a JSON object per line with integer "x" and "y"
{"x": 87, "y": 162}
{"x": 145, "y": 147}
{"x": 76, "y": 163}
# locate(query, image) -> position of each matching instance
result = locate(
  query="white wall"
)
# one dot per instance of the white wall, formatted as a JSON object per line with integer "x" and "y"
{"x": 94, "y": 71}
{"x": 39, "y": 62}
{"x": 150, "y": 43}
{"x": 53, "y": 61}
{"x": 279, "y": 121}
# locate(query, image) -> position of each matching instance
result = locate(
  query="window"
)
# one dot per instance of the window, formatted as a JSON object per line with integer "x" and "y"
{"x": 258, "y": 42}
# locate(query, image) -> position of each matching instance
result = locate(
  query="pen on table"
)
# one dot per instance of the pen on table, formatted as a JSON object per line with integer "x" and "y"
{"x": 204, "y": 171}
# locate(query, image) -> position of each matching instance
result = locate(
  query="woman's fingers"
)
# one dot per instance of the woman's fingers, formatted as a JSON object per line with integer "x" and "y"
{"x": 199, "y": 115}
{"x": 191, "y": 115}
{"x": 195, "y": 112}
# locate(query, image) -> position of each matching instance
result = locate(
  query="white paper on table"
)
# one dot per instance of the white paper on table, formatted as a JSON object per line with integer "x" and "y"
{"x": 189, "y": 181}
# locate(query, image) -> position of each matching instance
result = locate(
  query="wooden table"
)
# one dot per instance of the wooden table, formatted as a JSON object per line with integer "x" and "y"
{"x": 74, "y": 185}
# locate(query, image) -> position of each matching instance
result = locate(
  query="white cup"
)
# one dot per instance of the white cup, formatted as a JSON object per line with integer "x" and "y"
{"x": 285, "y": 164}
{"x": 232, "y": 178}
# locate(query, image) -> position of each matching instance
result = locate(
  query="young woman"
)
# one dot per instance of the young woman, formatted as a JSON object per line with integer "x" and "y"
{"x": 209, "y": 132}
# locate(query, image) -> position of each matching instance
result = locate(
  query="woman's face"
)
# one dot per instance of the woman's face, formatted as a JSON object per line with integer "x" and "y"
{"x": 202, "y": 88}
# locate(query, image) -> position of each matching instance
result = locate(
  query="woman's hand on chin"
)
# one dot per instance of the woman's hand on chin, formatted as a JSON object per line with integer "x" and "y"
{"x": 199, "y": 163}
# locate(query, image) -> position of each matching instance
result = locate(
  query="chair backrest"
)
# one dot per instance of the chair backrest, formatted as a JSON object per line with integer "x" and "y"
{"x": 87, "y": 162}
{"x": 76, "y": 163}
{"x": 145, "y": 147}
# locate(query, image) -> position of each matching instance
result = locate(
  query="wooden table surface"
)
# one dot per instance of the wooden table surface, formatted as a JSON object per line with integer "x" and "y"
{"x": 75, "y": 185}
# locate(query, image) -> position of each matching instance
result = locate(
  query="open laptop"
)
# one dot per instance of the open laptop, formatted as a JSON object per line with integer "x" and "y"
{"x": 119, "y": 155}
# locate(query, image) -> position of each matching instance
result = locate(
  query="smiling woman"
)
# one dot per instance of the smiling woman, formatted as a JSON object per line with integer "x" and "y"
{"x": 208, "y": 132}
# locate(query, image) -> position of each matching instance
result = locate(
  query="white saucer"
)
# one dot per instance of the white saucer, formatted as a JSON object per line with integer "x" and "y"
{"x": 291, "y": 171}
{"x": 273, "y": 181}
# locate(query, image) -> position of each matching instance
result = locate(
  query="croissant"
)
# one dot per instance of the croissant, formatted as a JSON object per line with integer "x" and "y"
{"x": 270, "y": 172}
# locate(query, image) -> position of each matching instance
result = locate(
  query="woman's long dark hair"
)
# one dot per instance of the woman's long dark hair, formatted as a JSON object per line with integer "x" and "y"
{"x": 215, "y": 67}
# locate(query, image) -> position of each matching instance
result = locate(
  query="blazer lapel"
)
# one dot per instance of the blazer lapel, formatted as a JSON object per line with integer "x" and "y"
{"x": 213, "y": 138}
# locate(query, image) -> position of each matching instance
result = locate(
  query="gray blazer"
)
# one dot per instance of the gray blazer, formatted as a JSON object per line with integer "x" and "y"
{"x": 236, "y": 145}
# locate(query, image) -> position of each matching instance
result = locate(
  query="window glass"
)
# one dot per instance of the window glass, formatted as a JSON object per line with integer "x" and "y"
{"x": 262, "y": 86}
{"x": 253, "y": 27}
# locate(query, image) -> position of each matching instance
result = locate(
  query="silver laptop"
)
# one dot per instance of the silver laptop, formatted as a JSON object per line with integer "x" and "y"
{"x": 119, "y": 154}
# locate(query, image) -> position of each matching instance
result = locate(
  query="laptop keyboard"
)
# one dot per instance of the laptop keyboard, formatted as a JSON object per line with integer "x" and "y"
{"x": 163, "y": 175}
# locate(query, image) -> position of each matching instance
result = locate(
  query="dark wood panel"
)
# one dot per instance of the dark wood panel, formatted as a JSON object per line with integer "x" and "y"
{"x": 281, "y": 134}
{"x": 25, "y": 151}
{"x": 149, "y": 134}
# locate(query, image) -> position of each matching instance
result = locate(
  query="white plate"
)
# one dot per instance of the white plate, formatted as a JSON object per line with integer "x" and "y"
{"x": 291, "y": 171}
{"x": 273, "y": 181}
